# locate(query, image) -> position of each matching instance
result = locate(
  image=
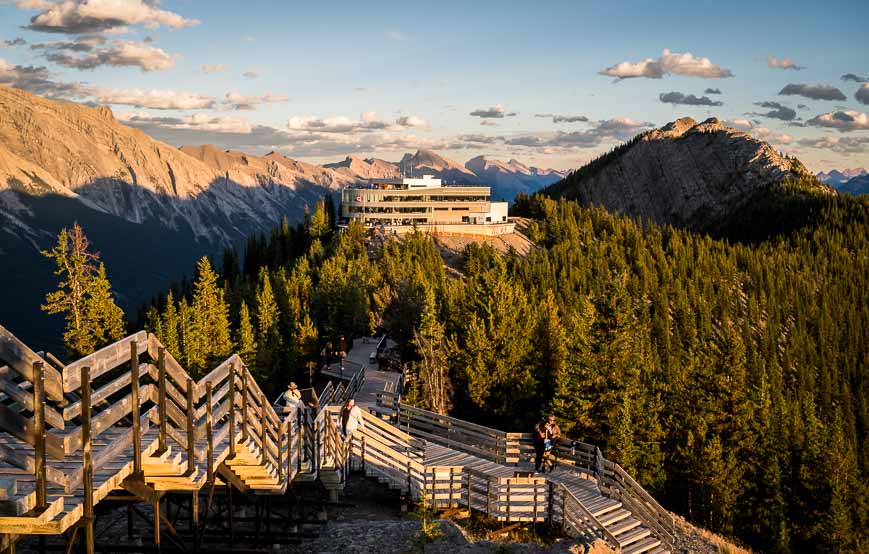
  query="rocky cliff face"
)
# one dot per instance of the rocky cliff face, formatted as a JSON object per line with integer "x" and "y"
{"x": 686, "y": 173}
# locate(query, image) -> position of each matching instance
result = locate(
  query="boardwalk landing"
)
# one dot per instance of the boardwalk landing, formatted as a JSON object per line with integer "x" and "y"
{"x": 128, "y": 424}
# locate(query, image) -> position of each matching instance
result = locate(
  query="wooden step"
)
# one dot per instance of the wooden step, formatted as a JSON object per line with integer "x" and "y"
{"x": 645, "y": 545}
{"x": 625, "y": 526}
{"x": 634, "y": 536}
{"x": 614, "y": 517}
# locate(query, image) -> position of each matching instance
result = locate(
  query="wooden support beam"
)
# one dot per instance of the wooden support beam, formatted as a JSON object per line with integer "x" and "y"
{"x": 244, "y": 394}
{"x": 21, "y": 359}
{"x": 264, "y": 437}
{"x": 39, "y": 428}
{"x": 191, "y": 433}
{"x": 231, "y": 410}
{"x": 208, "y": 432}
{"x": 161, "y": 399}
{"x": 135, "y": 408}
{"x": 87, "y": 461}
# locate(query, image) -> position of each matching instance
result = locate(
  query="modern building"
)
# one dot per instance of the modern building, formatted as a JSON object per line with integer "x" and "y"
{"x": 399, "y": 205}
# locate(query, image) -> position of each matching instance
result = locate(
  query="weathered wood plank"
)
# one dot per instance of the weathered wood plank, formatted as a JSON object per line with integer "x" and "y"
{"x": 101, "y": 361}
{"x": 21, "y": 359}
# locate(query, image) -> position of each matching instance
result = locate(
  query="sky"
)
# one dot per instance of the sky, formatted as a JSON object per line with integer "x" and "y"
{"x": 550, "y": 83}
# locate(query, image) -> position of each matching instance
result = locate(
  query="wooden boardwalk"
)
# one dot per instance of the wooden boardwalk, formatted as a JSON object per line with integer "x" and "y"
{"x": 128, "y": 422}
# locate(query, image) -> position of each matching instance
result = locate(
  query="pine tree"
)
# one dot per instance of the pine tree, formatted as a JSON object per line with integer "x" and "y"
{"x": 433, "y": 368}
{"x": 246, "y": 339}
{"x": 170, "y": 336}
{"x": 83, "y": 295}
{"x": 268, "y": 337}
{"x": 105, "y": 318}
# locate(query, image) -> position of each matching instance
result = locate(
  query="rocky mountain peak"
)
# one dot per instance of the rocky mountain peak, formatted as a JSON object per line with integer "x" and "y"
{"x": 684, "y": 173}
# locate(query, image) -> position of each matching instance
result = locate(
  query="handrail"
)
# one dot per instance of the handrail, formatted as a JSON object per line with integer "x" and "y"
{"x": 186, "y": 411}
{"x": 506, "y": 448}
{"x": 597, "y": 526}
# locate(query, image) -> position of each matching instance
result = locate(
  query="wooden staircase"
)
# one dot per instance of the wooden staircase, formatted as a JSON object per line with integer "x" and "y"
{"x": 129, "y": 419}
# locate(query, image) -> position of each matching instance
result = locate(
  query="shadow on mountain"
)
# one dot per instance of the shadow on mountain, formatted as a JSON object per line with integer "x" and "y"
{"x": 142, "y": 259}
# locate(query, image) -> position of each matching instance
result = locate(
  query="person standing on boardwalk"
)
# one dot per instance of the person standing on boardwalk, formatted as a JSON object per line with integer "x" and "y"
{"x": 351, "y": 419}
{"x": 553, "y": 433}
{"x": 539, "y": 439}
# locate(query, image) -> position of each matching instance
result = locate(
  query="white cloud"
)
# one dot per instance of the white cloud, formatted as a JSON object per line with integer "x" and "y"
{"x": 93, "y": 16}
{"x": 862, "y": 94}
{"x": 497, "y": 112}
{"x": 842, "y": 145}
{"x": 250, "y": 74}
{"x": 395, "y": 35}
{"x": 154, "y": 99}
{"x": 198, "y": 122}
{"x": 761, "y": 133}
{"x": 39, "y": 80}
{"x": 843, "y": 121}
{"x": 368, "y": 122}
{"x": 669, "y": 63}
{"x": 783, "y": 63}
{"x": 237, "y": 101}
{"x": 119, "y": 53}
{"x": 216, "y": 68}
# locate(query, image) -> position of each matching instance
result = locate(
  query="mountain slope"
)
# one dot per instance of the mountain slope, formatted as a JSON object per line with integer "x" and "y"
{"x": 688, "y": 174}
{"x": 856, "y": 185}
{"x": 148, "y": 207}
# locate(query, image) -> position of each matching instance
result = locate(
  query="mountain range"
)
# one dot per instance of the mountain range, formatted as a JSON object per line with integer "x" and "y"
{"x": 151, "y": 208}
{"x": 702, "y": 176}
{"x": 848, "y": 181}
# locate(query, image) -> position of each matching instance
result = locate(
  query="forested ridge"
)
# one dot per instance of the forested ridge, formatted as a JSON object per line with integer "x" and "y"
{"x": 728, "y": 378}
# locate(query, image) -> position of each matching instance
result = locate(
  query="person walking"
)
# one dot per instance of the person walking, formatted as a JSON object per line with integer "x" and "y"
{"x": 351, "y": 419}
{"x": 539, "y": 440}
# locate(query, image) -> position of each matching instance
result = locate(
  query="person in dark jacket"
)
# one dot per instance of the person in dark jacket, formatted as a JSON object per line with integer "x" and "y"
{"x": 539, "y": 440}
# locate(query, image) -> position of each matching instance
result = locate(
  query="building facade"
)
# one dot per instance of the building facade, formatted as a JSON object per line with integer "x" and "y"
{"x": 400, "y": 205}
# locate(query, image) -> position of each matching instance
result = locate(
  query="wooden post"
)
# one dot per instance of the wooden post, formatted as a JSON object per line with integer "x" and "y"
{"x": 508, "y": 500}
{"x": 231, "y": 411}
{"x": 551, "y": 504}
{"x": 363, "y": 453}
{"x": 191, "y": 431}
{"x": 243, "y": 405}
{"x": 488, "y": 496}
{"x": 87, "y": 460}
{"x": 563, "y": 508}
{"x": 301, "y": 438}
{"x": 161, "y": 399}
{"x": 535, "y": 501}
{"x": 263, "y": 429}
{"x": 135, "y": 413}
{"x": 452, "y": 478}
{"x": 208, "y": 434}
{"x": 469, "y": 492}
{"x": 281, "y": 452}
{"x": 39, "y": 430}
{"x": 156, "y": 522}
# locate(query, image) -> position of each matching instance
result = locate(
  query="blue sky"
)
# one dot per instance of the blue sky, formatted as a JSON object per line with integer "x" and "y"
{"x": 326, "y": 79}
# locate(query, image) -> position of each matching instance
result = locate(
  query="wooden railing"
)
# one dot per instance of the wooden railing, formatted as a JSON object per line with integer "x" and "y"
{"x": 135, "y": 399}
{"x": 513, "y": 448}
